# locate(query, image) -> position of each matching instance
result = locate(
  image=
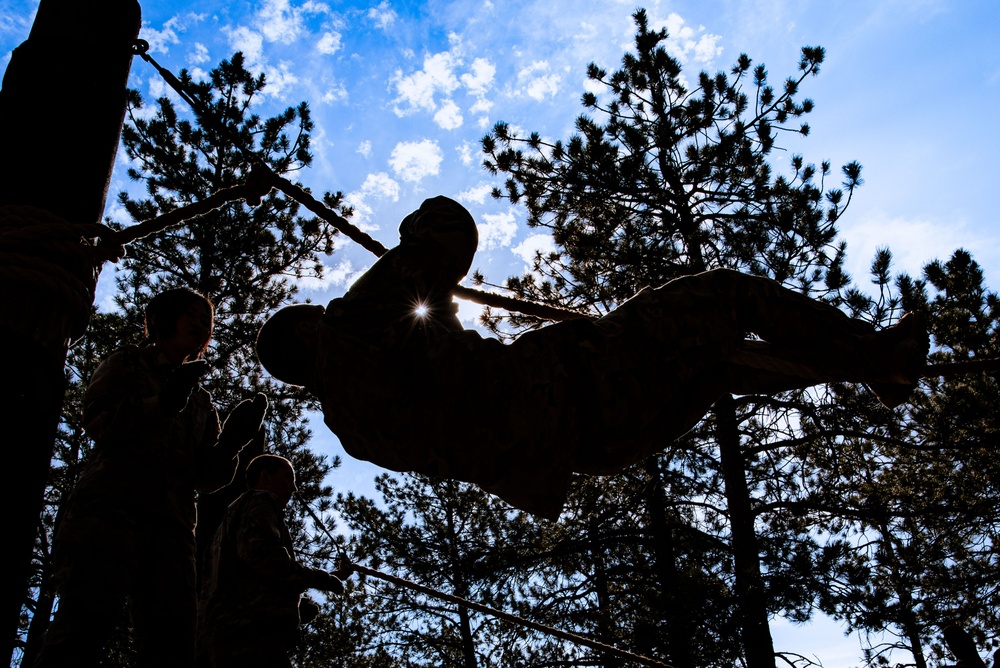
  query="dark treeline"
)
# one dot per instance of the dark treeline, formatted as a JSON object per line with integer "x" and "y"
{"x": 816, "y": 501}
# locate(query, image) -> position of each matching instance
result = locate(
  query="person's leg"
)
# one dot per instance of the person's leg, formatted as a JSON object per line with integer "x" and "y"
{"x": 164, "y": 601}
{"x": 91, "y": 588}
{"x": 807, "y": 342}
{"x": 257, "y": 645}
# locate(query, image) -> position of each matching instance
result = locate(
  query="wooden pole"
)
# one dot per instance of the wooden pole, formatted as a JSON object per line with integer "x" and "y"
{"x": 62, "y": 104}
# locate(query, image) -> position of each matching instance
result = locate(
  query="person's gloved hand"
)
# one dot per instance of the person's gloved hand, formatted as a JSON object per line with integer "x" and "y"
{"x": 177, "y": 389}
{"x": 244, "y": 422}
{"x": 308, "y": 610}
{"x": 345, "y": 567}
{"x": 326, "y": 581}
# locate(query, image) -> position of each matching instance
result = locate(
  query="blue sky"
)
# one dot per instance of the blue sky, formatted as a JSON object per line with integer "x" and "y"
{"x": 401, "y": 93}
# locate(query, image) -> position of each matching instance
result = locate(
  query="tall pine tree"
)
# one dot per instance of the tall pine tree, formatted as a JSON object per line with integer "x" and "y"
{"x": 663, "y": 180}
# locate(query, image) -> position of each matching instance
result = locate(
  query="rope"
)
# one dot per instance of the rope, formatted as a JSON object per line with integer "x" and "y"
{"x": 564, "y": 635}
{"x": 515, "y": 619}
{"x": 946, "y": 369}
{"x": 252, "y": 191}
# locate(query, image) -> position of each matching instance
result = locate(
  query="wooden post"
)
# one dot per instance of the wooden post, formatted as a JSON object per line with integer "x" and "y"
{"x": 62, "y": 104}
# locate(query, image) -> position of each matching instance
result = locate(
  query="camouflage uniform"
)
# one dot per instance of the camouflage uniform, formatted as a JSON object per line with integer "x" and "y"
{"x": 425, "y": 395}
{"x": 127, "y": 532}
{"x": 249, "y": 602}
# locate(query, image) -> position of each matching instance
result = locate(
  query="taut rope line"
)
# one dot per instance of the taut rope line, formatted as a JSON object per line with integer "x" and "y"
{"x": 506, "y": 616}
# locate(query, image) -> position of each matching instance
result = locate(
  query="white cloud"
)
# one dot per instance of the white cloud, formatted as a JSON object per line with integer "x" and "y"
{"x": 467, "y": 152}
{"x": 536, "y": 243}
{"x": 278, "y": 21}
{"x": 413, "y": 161}
{"x": 381, "y": 185}
{"x": 481, "y": 105}
{"x": 279, "y": 79}
{"x": 275, "y": 21}
{"x": 329, "y": 43}
{"x": 198, "y": 54}
{"x": 365, "y": 148}
{"x": 912, "y": 240}
{"x": 335, "y": 93}
{"x": 159, "y": 40}
{"x": 377, "y": 186}
{"x": 449, "y": 116}
{"x": 158, "y": 88}
{"x": 480, "y": 76}
{"x": 340, "y": 276}
{"x": 244, "y": 39}
{"x": 689, "y": 44}
{"x": 469, "y": 312}
{"x": 382, "y": 16}
{"x": 537, "y": 81}
{"x": 476, "y": 194}
{"x": 497, "y": 230}
{"x": 418, "y": 89}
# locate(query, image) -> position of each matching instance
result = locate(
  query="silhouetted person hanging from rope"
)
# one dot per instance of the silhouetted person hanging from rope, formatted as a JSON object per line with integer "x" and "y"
{"x": 405, "y": 386}
{"x": 127, "y": 533}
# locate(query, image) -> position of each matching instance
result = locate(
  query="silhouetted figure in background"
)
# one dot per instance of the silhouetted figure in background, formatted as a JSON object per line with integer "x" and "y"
{"x": 127, "y": 533}
{"x": 252, "y": 590}
{"x": 405, "y": 386}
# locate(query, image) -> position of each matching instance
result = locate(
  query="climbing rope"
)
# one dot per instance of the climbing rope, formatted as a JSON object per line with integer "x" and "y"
{"x": 478, "y": 607}
{"x": 563, "y": 635}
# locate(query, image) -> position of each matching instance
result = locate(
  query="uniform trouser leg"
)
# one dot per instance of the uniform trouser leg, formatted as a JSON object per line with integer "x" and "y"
{"x": 90, "y": 604}
{"x": 802, "y": 342}
{"x": 164, "y": 602}
{"x": 255, "y": 646}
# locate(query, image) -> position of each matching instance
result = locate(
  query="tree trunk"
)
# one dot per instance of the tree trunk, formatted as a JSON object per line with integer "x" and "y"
{"x": 757, "y": 643}
{"x": 672, "y": 589}
{"x": 76, "y": 58}
{"x": 605, "y": 625}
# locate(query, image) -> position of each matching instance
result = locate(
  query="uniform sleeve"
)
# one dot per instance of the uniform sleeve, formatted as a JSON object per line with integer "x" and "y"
{"x": 215, "y": 466}
{"x": 260, "y": 546}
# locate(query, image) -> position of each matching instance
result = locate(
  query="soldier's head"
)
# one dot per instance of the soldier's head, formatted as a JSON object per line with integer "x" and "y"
{"x": 272, "y": 473}
{"x": 287, "y": 343}
{"x": 180, "y": 321}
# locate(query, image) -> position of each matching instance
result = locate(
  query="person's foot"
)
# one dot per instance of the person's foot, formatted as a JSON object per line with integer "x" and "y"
{"x": 904, "y": 347}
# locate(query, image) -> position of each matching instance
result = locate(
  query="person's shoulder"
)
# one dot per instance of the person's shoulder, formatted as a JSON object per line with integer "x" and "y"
{"x": 259, "y": 499}
{"x": 125, "y": 357}
{"x": 127, "y": 351}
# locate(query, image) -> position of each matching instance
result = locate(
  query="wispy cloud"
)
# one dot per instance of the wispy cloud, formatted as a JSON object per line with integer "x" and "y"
{"x": 329, "y": 43}
{"x": 536, "y": 243}
{"x": 339, "y": 276}
{"x": 537, "y": 81}
{"x": 378, "y": 186}
{"x": 414, "y": 161}
{"x": 161, "y": 40}
{"x": 497, "y": 230}
{"x": 382, "y": 16}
